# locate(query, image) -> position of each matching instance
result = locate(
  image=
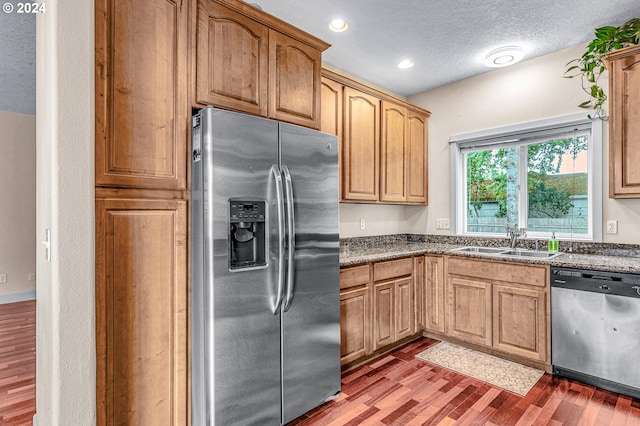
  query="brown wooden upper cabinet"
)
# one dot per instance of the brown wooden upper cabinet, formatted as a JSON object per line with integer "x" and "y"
{"x": 142, "y": 110}
{"x": 417, "y": 162}
{"x": 249, "y": 61}
{"x": 361, "y": 146}
{"x": 624, "y": 122}
{"x": 393, "y": 144}
{"x": 384, "y": 155}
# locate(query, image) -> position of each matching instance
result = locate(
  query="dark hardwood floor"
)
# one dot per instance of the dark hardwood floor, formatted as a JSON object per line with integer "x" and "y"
{"x": 399, "y": 389}
{"x": 17, "y": 363}
{"x": 396, "y": 389}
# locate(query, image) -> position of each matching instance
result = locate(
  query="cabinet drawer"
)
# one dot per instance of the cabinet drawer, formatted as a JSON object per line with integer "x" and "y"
{"x": 352, "y": 277}
{"x": 392, "y": 269}
{"x": 499, "y": 271}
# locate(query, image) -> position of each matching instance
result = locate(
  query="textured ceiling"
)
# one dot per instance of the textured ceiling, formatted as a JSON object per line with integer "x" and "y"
{"x": 447, "y": 39}
{"x": 17, "y": 61}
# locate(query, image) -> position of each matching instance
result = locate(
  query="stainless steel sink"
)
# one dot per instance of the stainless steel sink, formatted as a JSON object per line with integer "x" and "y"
{"x": 530, "y": 253}
{"x": 486, "y": 250}
{"x": 506, "y": 252}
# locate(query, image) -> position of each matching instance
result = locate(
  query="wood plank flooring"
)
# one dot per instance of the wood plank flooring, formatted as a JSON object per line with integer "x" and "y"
{"x": 17, "y": 363}
{"x": 399, "y": 389}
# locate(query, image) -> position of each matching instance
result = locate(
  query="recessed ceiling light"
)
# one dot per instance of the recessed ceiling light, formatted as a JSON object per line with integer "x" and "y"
{"x": 338, "y": 25}
{"x": 503, "y": 56}
{"x": 406, "y": 63}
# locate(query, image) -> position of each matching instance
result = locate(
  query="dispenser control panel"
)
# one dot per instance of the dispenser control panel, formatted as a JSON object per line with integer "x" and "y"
{"x": 247, "y": 234}
{"x": 244, "y": 211}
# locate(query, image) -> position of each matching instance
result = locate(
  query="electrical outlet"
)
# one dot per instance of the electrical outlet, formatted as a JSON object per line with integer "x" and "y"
{"x": 31, "y": 276}
{"x": 442, "y": 223}
{"x": 612, "y": 227}
{"x": 362, "y": 224}
{"x": 3, "y": 278}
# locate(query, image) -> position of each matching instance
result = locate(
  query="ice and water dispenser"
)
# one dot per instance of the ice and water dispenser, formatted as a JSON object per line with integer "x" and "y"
{"x": 247, "y": 242}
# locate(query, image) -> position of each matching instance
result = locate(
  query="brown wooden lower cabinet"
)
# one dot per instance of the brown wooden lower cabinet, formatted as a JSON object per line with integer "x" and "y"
{"x": 393, "y": 303}
{"x": 419, "y": 296}
{"x": 519, "y": 321}
{"x": 434, "y": 293}
{"x": 469, "y": 315}
{"x": 383, "y": 314}
{"x": 355, "y": 324}
{"x": 141, "y": 312}
{"x": 355, "y": 313}
{"x": 404, "y": 309}
{"x": 499, "y": 305}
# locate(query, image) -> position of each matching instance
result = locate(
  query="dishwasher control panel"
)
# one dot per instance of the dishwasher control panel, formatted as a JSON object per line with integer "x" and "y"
{"x": 620, "y": 284}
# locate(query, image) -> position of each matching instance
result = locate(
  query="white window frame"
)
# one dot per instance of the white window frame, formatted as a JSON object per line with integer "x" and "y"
{"x": 511, "y": 133}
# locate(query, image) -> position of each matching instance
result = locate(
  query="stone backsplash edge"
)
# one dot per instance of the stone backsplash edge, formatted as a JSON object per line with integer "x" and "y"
{"x": 577, "y": 247}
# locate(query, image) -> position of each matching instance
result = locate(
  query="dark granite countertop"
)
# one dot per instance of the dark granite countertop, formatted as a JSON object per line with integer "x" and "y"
{"x": 592, "y": 256}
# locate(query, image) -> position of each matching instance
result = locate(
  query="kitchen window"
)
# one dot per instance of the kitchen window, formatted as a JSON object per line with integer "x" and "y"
{"x": 545, "y": 176}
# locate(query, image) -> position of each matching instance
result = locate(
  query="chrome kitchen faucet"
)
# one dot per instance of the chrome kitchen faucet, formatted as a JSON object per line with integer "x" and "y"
{"x": 514, "y": 233}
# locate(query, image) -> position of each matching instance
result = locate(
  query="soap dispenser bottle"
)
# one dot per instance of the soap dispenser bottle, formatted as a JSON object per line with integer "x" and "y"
{"x": 553, "y": 243}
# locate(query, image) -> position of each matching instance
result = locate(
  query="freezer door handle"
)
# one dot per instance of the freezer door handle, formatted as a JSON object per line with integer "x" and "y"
{"x": 291, "y": 227}
{"x": 277, "y": 175}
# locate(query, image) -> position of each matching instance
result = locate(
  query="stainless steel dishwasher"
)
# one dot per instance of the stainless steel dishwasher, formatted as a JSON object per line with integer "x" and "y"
{"x": 595, "y": 328}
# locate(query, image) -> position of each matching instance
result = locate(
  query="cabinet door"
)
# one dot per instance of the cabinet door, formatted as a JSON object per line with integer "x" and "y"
{"x": 355, "y": 324}
{"x": 142, "y": 112}
{"x": 404, "y": 311}
{"x": 417, "y": 158}
{"x": 393, "y": 153}
{"x": 434, "y": 293}
{"x": 419, "y": 294}
{"x": 331, "y": 115}
{"x": 232, "y": 60}
{"x": 520, "y": 321}
{"x": 141, "y": 312}
{"x": 294, "y": 81}
{"x": 383, "y": 314}
{"x": 624, "y": 123}
{"x": 361, "y": 149}
{"x": 469, "y": 310}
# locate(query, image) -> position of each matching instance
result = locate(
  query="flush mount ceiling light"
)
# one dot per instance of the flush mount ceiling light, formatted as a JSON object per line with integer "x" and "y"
{"x": 503, "y": 56}
{"x": 338, "y": 25}
{"x": 405, "y": 64}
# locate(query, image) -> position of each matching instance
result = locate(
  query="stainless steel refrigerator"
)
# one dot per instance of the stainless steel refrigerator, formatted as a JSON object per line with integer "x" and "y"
{"x": 265, "y": 270}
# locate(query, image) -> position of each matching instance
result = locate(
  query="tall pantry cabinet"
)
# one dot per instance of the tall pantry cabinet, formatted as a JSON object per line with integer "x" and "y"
{"x": 155, "y": 60}
{"x": 142, "y": 123}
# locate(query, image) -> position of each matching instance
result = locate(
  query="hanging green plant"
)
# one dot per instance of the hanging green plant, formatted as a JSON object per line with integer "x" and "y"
{"x": 590, "y": 66}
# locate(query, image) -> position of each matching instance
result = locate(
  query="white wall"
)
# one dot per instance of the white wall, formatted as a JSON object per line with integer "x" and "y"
{"x": 378, "y": 219}
{"x": 531, "y": 90}
{"x": 18, "y": 201}
{"x": 65, "y": 333}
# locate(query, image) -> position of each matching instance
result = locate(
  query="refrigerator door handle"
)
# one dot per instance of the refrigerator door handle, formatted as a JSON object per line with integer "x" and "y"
{"x": 277, "y": 175}
{"x": 291, "y": 226}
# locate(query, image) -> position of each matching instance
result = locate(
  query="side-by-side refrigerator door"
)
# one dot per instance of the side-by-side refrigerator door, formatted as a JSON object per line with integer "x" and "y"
{"x": 311, "y": 317}
{"x": 236, "y": 324}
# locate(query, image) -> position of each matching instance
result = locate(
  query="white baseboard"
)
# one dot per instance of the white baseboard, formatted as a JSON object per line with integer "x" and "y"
{"x": 17, "y": 297}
